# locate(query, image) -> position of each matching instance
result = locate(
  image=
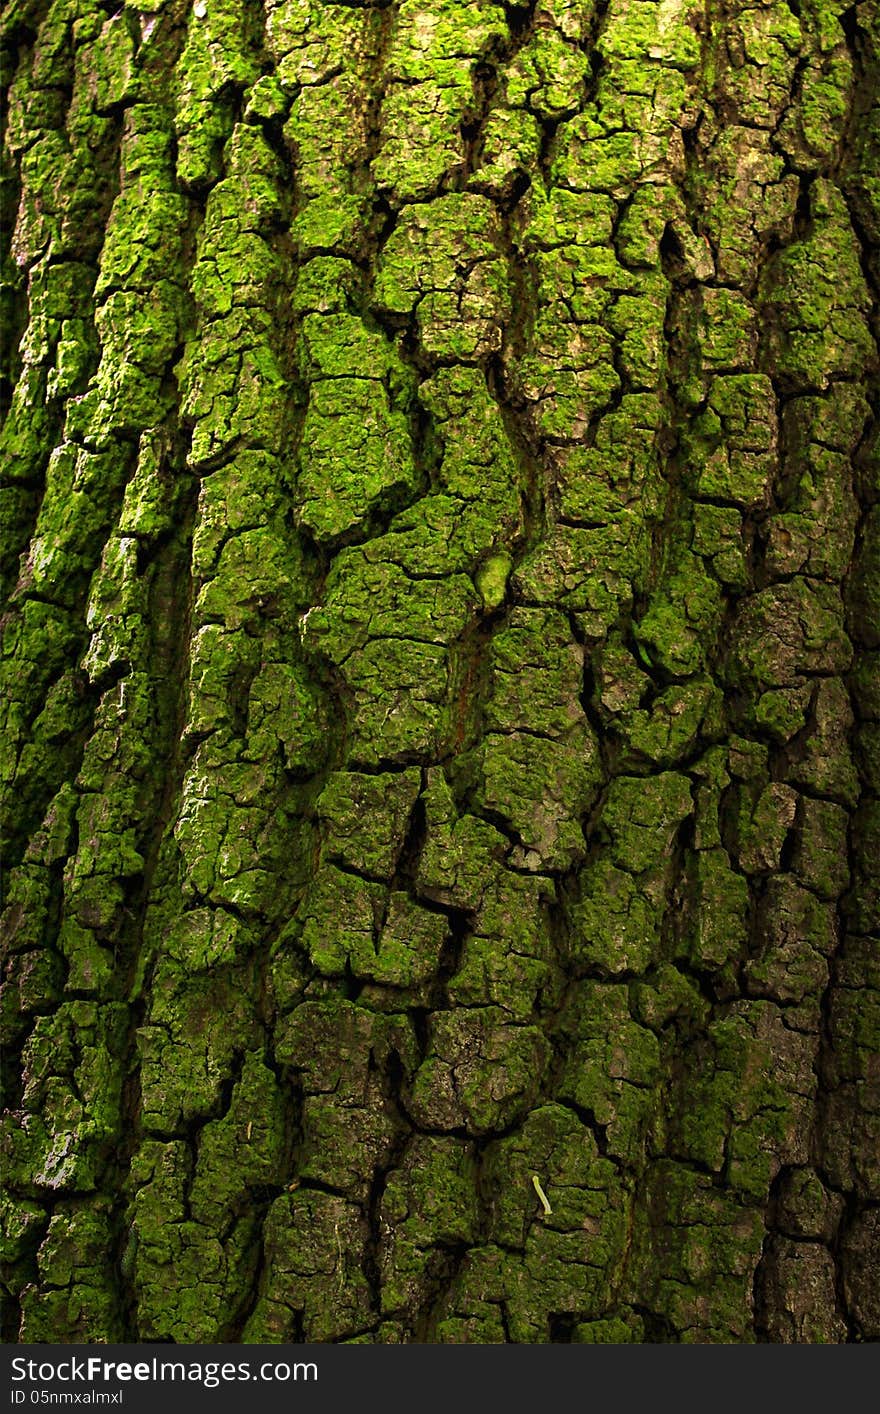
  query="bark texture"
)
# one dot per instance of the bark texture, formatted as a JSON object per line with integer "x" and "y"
{"x": 442, "y": 549}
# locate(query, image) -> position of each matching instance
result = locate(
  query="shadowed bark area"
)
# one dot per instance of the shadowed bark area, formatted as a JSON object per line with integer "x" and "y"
{"x": 442, "y": 559}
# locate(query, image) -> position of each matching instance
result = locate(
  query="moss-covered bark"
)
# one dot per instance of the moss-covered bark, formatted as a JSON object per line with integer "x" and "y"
{"x": 442, "y": 543}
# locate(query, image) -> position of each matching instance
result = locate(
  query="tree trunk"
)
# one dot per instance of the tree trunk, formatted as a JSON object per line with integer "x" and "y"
{"x": 443, "y": 566}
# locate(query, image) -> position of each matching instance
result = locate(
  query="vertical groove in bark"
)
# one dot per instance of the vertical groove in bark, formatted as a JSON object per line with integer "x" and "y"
{"x": 440, "y": 657}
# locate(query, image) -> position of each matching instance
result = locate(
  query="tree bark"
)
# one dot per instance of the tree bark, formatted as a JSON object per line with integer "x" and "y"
{"x": 442, "y": 550}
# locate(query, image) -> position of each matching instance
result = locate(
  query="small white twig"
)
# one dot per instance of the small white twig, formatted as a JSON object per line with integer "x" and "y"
{"x": 536, "y": 1184}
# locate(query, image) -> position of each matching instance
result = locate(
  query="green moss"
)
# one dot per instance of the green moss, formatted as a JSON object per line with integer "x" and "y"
{"x": 449, "y": 1090}
{"x": 788, "y": 631}
{"x": 622, "y": 468}
{"x": 682, "y": 619}
{"x": 615, "y": 1068}
{"x": 750, "y": 1105}
{"x": 642, "y": 816}
{"x": 666, "y": 996}
{"x": 326, "y": 129}
{"x": 796, "y": 938}
{"x": 196, "y": 1024}
{"x": 613, "y": 1331}
{"x": 325, "y": 224}
{"x": 615, "y": 925}
{"x": 510, "y": 146}
{"x": 647, "y": 32}
{"x": 218, "y": 59}
{"x": 491, "y": 580}
{"x": 710, "y": 1244}
{"x": 429, "y": 1204}
{"x": 594, "y": 573}
{"x": 540, "y": 788}
{"x": 441, "y": 260}
{"x": 719, "y": 924}
{"x": 762, "y": 819}
{"x": 677, "y": 719}
{"x": 81, "y": 1302}
{"x": 349, "y": 424}
{"x": 323, "y": 286}
{"x": 818, "y": 297}
{"x": 349, "y": 924}
{"x": 866, "y": 581}
{"x": 267, "y": 101}
{"x": 493, "y": 973}
{"x": 536, "y": 675}
{"x": 820, "y": 856}
{"x": 430, "y": 94}
{"x": 364, "y": 818}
